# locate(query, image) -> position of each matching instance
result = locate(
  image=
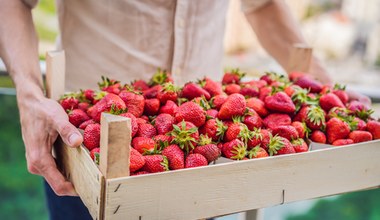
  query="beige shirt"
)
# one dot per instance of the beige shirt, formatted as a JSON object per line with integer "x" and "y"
{"x": 127, "y": 40}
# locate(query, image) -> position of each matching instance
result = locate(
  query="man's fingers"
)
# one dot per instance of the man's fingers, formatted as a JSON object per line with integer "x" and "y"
{"x": 69, "y": 133}
{"x": 57, "y": 181}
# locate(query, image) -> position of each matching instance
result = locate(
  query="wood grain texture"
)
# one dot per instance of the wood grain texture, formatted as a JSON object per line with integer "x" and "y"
{"x": 55, "y": 74}
{"x": 115, "y": 141}
{"x": 300, "y": 58}
{"x": 234, "y": 187}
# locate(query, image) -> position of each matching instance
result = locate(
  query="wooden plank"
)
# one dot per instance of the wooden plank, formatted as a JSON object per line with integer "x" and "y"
{"x": 78, "y": 167}
{"x": 300, "y": 58}
{"x": 234, "y": 187}
{"x": 115, "y": 141}
{"x": 55, "y": 74}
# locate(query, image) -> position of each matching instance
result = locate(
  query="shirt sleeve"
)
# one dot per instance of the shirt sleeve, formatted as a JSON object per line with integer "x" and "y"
{"x": 252, "y": 5}
{"x": 30, "y": 3}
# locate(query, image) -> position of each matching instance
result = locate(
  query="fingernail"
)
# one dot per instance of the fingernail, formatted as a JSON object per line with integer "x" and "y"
{"x": 73, "y": 139}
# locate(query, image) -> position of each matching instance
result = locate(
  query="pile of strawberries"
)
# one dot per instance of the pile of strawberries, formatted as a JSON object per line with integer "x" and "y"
{"x": 175, "y": 128}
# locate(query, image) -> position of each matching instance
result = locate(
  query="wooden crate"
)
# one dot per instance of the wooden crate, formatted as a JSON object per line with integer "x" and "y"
{"x": 110, "y": 193}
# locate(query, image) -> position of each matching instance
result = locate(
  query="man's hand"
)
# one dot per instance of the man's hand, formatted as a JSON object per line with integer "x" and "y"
{"x": 42, "y": 120}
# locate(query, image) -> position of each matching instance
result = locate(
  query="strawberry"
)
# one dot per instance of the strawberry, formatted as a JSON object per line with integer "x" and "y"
{"x": 280, "y": 145}
{"x": 191, "y": 112}
{"x": 360, "y": 124}
{"x": 276, "y": 119}
{"x": 306, "y": 82}
{"x": 143, "y": 144}
{"x": 94, "y": 154}
{"x": 300, "y": 145}
{"x": 290, "y": 90}
{"x": 168, "y": 92}
{"x": 264, "y": 92}
{"x": 162, "y": 139}
{"x": 191, "y": 90}
{"x": 232, "y": 88}
{"x": 249, "y": 91}
{"x": 253, "y": 120}
{"x": 91, "y": 136}
{"x": 232, "y": 77}
{"x": 212, "y": 87}
{"x": 155, "y": 163}
{"x": 86, "y": 123}
{"x": 293, "y": 76}
{"x": 234, "y": 106}
{"x": 336, "y": 129}
{"x": 140, "y": 85}
{"x": 141, "y": 121}
{"x": 164, "y": 123}
{"x": 329, "y": 101}
{"x": 146, "y": 130}
{"x": 143, "y": 172}
{"x": 218, "y": 100}
{"x": 185, "y": 135}
{"x": 360, "y": 136}
{"x": 286, "y": 131}
{"x": 234, "y": 131}
{"x": 170, "y": 108}
{"x": 134, "y": 102}
{"x": 110, "y": 85}
{"x": 195, "y": 160}
{"x": 175, "y": 156}
{"x": 360, "y": 110}
{"x": 255, "y": 138}
{"x": 160, "y": 77}
{"x": 152, "y": 92}
{"x": 212, "y": 113}
{"x": 318, "y": 137}
{"x": 374, "y": 128}
{"x": 77, "y": 117}
{"x": 214, "y": 128}
{"x": 83, "y": 106}
{"x": 339, "y": 90}
{"x": 89, "y": 95}
{"x": 136, "y": 160}
{"x": 151, "y": 106}
{"x": 341, "y": 142}
{"x": 265, "y": 136}
{"x": 134, "y": 125}
{"x": 257, "y": 105}
{"x": 210, "y": 151}
{"x": 280, "y": 102}
{"x": 109, "y": 102}
{"x": 234, "y": 149}
{"x": 313, "y": 116}
{"x": 69, "y": 101}
{"x": 301, "y": 128}
{"x": 257, "y": 152}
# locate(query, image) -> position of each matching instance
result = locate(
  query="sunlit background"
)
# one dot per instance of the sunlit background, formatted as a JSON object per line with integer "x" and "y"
{"x": 344, "y": 34}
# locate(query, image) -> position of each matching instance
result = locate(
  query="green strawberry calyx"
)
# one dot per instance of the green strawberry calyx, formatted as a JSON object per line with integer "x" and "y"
{"x": 182, "y": 136}
{"x": 316, "y": 115}
{"x": 275, "y": 144}
{"x": 221, "y": 129}
{"x": 239, "y": 151}
{"x": 253, "y": 152}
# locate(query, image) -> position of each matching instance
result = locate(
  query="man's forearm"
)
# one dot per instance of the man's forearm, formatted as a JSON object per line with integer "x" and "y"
{"x": 19, "y": 47}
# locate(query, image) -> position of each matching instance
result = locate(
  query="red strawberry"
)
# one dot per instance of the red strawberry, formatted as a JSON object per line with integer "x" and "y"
{"x": 318, "y": 137}
{"x": 176, "y": 157}
{"x": 307, "y": 82}
{"x": 210, "y": 151}
{"x": 212, "y": 113}
{"x": 264, "y": 92}
{"x": 329, "y": 101}
{"x": 339, "y": 90}
{"x": 191, "y": 90}
{"x": 233, "y": 131}
{"x": 141, "y": 121}
{"x": 300, "y": 145}
{"x": 146, "y": 130}
{"x": 265, "y": 138}
{"x": 279, "y": 145}
{"x": 109, "y": 102}
{"x": 360, "y": 136}
{"x": 139, "y": 173}
{"x": 168, "y": 92}
{"x": 356, "y": 106}
{"x": 169, "y": 108}
{"x": 232, "y": 88}
{"x": 164, "y": 139}
{"x": 280, "y": 102}
{"x": 69, "y": 101}
{"x": 160, "y": 77}
{"x": 185, "y": 135}
{"x": 86, "y": 123}
{"x": 336, "y": 129}
{"x": 232, "y": 77}
{"x": 249, "y": 91}
{"x": 293, "y": 76}
{"x": 164, "y": 123}
{"x": 277, "y": 119}
{"x": 253, "y": 121}
{"x": 91, "y": 136}
{"x": 218, "y": 100}
{"x": 341, "y": 142}
{"x": 136, "y": 160}
{"x": 155, "y": 163}
{"x": 134, "y": 125}
{"x": 214, "y": 128}
{"x": 195, "y": 160}
{"x": 257, "y": 152}
{"x": 191, "y": 112}
{"x": 140, "y": 85}
{"x": 143, "y": 144}
{"x": 234, "y": 106}
{"x": 94, "y": 154}
{"x": 301, "y": 128}
{"x": 151, "y": 106}
{"x": 110, "y": 85}
{"x": 152, "y": 92}
{"x": 286, "y": 131}
{"x": 360, "y": 124}
{"x": 374, "y": 128}
{"x": 212, "y": 87}
{"x": 89, "y": 95}
{"x": 83, "y": 106}
{"x": 255, "y": 138}
{"x": 313, "y": 116}
{"x": 77, "y": 117}
{"x": 257, "y": 105}
{"x": 133, "y": 101}
{"x": 234, "y": 149}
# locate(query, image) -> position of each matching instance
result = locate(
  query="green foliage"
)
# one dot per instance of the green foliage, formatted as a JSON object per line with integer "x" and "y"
{"x": 352, "y": 206}
{"x": 21, "y": 193}
{"x": 47, "y": 6}
{"x": 6, "y": 82}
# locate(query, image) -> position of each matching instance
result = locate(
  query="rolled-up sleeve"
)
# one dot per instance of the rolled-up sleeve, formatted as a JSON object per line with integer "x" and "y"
{"x": 252, "y": 5}
{"x": 30, "y": 3}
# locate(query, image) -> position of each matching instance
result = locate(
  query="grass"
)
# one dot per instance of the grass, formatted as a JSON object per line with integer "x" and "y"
{"x": 6, "y": 82}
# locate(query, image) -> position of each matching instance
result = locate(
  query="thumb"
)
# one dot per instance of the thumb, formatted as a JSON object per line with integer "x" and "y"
{"x": 69, "y": 133}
